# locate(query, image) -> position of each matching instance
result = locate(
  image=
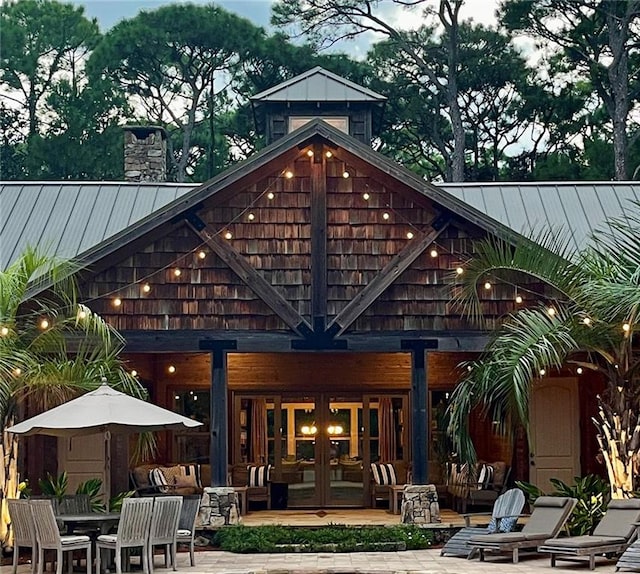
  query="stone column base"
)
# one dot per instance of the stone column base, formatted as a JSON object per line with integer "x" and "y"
{"x": 218, "y": 507}
{"x": 420, "y": 504}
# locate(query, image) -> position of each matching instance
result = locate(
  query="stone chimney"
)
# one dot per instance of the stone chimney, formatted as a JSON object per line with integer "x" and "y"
{"x": 145, "y": 153}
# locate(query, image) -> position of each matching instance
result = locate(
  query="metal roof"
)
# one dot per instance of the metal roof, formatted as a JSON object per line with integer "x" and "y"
{"x": 575, "y": 208}
{"x": 68, "y": 218}
{"x": 318, "y": 85}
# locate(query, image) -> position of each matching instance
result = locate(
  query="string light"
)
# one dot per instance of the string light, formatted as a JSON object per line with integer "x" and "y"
{"x": 487, "y": 285}
{"x": 270, "y": 195}
{"x": 579, "y": 370}
{"x": 328, "y": 154}
{"x": 409, "y": 235}
{"x": 434, "y": 253}
{"x": 345, "y": 174}
{"x": 228, "y": 235}
{"x": 171, "y": 369}
{"x": 44, "y": 324}
{"x": 288, "y": 174}
{"x": 4, "y": 331}
{"x": 17, "y": 371}
{"x": 117, "y": 302}
{"x": 385, "y": 216}
{"x": 551, "y": 311}
{"x": 459, "y": 270}
{"x": 518, "y": 299}
{"x": 177, "y": 272}
{"x": 251, "y": 217}
{"x": 365, "y": 196}
{"x": 626, "y": 327}
{"x": 202, "y": 254}
{"x": 82, "y": 314}
{"x": 146, "y": 288}
{"x": 310, "y": 153}
{"x": 134, "y": 373}
{"x": 586, "y": 321}
{"x": 542, "y": 372}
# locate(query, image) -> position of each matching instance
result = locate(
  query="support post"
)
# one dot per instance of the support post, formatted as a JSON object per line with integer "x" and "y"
{"x": 419, "y": 408}
{"x": 218, "y": 424}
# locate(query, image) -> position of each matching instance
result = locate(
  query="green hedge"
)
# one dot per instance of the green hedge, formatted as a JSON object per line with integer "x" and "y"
{"x": 333, "y": 538}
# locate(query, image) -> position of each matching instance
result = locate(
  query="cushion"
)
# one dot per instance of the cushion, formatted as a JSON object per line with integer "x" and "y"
{"x": 485, "y": 477}
{"x": 157, "y": 478}
{"x": 507, "y": 524}
{"x": 384, "y": 474}
{"x": 71, "y": 539}
{"x": 492, "y": 527}
{"x": 183, "y": 532}
{"x": 140, "y": 475}
{"x": 552, "y": 501}
{"x": 499, "y": 473}
{"x": 192, "y": 473}
{"x": 258, "y": 475}
{"x": 112, "y": 538}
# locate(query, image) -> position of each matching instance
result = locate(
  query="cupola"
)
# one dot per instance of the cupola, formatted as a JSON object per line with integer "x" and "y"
{"x": 318, "y": 93}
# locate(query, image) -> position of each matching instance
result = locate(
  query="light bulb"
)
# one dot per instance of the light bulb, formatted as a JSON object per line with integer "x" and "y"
{"x": 328, "y": 154}
{"x": 518, "y": 299}
{"x": 288, "y": 174}
{"x": 551, "y": 311}
{"x": 82, "y": 314}
{"x": 366, "y": 196}
{"x": 251, "y": 216}
{"x": 117, "y": 302}
{"x": 542, "y": 372}
{"x": 146, "y": 288}
{"x": 409, "y": 235}
{"x": 345, "y": 174}
{"x": 177, "y": 272}
{"x": 310, "y": 152}
{"x": 586, "y": 321}
{"x": 17, "y": 371}
{"x": 487, "y": 285}
{"x": 228, "y": 235}
{"x": 4, "y": 331}
{"x": 171, "y": 369}
{"x": 270, "y": 195}
{"x": 433, "y": 253}
{"x": 134, "y": 373}
{"x": 626, "y": 327}
{"x": 385, "y": 216}
{"x": 579, "y": 370}
{"x": 202, "y": 254}
{"x": 44, "y": 324}
{"x": 459, "y": 270}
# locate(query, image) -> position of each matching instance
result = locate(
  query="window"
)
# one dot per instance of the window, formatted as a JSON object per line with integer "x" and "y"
{"x": 338, "y": 122}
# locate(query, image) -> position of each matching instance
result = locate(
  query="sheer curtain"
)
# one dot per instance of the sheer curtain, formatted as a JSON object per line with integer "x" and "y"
{"x": 259, "y": 431}
{"x": 387, "y": 430}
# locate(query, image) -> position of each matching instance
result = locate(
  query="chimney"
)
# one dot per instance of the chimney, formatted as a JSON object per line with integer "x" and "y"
{"x": 145, "y": 153}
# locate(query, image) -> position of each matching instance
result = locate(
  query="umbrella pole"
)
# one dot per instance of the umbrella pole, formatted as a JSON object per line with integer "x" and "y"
{"x": 107, "y": 468}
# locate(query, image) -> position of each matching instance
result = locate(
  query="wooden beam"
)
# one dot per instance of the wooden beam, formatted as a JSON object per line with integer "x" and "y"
{"x": 319, "y": 242}
{"x": 363, "y": 300}
{"x": 249, "y": 275}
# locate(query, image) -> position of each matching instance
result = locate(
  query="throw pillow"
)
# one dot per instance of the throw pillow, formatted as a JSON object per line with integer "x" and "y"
{"x": 384, "y": 474}
{"x": 507, "y": 524}
{"x": 485, "y": 477}
{"x": 190, "y": 475}
{"x": 158, "y": 479}
{"x": 258, "y": 475}
{"x": 492, "y": 528}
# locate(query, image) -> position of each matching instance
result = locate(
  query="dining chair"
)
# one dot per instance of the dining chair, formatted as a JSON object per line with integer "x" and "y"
{"x": 164, "y": 528}
{"x": 133, "y": 532}
{"x": 74, "y": 504}
{"x": 187, "y": 523}
{"x": 48, "y": 537}
{"x": 24, "y": 533}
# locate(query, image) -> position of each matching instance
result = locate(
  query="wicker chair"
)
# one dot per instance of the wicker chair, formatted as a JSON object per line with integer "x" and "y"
{"x": 48, "y": 537}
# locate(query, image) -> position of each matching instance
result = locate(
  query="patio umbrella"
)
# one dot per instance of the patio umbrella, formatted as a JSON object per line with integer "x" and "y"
{"x": 104, "y": 411}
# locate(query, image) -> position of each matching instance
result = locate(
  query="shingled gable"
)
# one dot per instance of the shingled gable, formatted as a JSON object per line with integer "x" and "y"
{"x": 272, "y": 158}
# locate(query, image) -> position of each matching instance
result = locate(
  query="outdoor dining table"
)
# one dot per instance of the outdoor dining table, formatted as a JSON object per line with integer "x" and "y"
{"x": 102, "y": 521}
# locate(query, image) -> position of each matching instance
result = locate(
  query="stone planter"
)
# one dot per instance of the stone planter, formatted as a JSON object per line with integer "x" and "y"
{"x": 218, "y": 507}
{"x": 420, "y": 504}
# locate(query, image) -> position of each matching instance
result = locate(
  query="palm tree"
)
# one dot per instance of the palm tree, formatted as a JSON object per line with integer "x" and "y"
{"x": 51, "y": 350}
{"x": 585, "y": 313}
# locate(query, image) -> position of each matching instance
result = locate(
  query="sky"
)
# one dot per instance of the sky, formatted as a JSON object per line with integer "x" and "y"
{"x": 109, "y": 12}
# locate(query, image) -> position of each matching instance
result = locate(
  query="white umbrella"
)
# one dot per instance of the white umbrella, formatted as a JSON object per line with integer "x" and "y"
{"x": 104, "y": 410}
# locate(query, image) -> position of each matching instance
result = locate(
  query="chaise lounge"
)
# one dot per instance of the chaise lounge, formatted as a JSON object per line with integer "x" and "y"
{"x": 549, "y": 515}
{"x": 613, "y": 534}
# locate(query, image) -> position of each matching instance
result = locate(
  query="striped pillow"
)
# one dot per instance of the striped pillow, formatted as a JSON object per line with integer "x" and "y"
{"x": 384, "y": 474}
{"x": 258, "y": 475}
{"x": 158, "y": 479}
{"x": 485, "y": 477}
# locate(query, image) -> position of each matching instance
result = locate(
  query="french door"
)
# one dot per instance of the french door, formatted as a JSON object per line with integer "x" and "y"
{"x": 321, "y": 444}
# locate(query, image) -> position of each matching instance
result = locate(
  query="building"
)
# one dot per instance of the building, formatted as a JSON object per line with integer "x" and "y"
{"x": 299, "y": 303}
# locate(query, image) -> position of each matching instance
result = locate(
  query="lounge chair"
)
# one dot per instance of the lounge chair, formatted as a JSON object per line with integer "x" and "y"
{"x": 504, "y": 517}
{"x": 613, "y": 534}
{"x": 549, "y": 515}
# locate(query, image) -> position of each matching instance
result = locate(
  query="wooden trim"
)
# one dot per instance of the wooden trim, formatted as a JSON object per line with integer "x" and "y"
{"x": 363, "y": 300}
{"x": 319, "y": 243}
{"x": 249, "y": 275}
